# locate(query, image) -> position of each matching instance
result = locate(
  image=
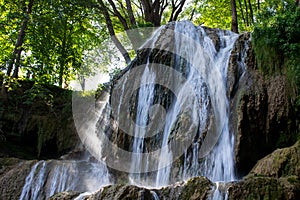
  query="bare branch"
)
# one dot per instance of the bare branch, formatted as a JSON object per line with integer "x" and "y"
{"x": 130, "y": 13}
{"x": 118, "y": 14}
{"x": 111, "y": 31}
{"x": 179, "y": 10}
{"x": 176, "y": 9}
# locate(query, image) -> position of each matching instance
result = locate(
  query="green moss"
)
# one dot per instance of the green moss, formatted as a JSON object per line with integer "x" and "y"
{"x": 37, "y": 117}
{"x": 293, "y": 179}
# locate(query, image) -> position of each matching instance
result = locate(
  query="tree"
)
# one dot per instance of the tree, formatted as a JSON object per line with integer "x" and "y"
{"x": 51, "y": 40}
{"x": 136, "y": 13}
{"x": 234, "y": 21}
{"x": 16, "y": 54}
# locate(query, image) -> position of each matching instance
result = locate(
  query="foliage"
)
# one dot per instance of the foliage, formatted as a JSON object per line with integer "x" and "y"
{"x": 38, "y": 93}
{"x": 277, "y": 42}
{"x": 214, "y": 13}
{"x": 277, "y": 45}
{"x": 57, "y": 35}
{"x": 114, "y": 72}
{"x": 217, "y": 14}
{"x": 68, "y": 39}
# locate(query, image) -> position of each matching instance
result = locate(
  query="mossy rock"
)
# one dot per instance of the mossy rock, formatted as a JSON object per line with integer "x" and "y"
{"x": 37, "y": 121}
{"x": 195, "y": 188}
{"x": 68, "y": 195}
{"x": 265, "y": 188}
{"x": 280, "y": 163}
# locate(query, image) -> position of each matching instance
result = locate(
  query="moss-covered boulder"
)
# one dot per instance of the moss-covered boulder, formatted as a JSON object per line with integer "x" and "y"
{"x": 280, "y": 163}
{"x": 195, "y": 188}
{"x": 265, "y": 188}
{"x": 276, "y": 176}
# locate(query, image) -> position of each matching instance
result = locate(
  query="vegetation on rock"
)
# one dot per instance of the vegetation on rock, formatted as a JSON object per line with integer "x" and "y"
{"x": 48, "y": 43}
{"x": 36, "y": 121}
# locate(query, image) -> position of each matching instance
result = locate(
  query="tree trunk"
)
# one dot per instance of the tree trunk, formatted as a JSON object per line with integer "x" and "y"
{"x": 251, "y": 11}
{"x": 242, "y": 12}
{"x": 111, "y": 31}
{"x": 130, "y": 14}
{"x": 247, "y": 15}
{"x": 152, "y": 11}
{"x": 234, "y": 22}
{"x": 16, "y": 55}
{"x": 17, "y": 64}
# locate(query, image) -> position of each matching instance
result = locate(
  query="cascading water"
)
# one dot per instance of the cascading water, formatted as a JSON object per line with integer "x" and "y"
{"x": 205, "y": 69}
{"x": 199, "y": 110}
{"x": 49, "y": 177}
{"x": 146, "y": 94}
{"x": 219, "y": 165}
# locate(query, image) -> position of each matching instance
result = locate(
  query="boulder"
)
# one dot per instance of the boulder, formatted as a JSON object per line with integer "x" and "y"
{"x": 195, "y": 188}
{"x": 265, "y": 188}
{"x": 67, "y": 195}
{"x": 276, "y": 176}
{"x": 280, "y": 163}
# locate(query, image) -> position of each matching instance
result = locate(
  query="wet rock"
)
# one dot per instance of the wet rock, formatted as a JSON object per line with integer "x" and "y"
{"x": 121, "y": 192}
{"x": 238, "y": 62}
{"x": 261, "y": 110}
{"x": 12, "y": 182}
{"x": 195, "y": 188}
{"x": 7, "y": 164}
{"x": 248, "y": 121}
{"x": 215, "y": 38}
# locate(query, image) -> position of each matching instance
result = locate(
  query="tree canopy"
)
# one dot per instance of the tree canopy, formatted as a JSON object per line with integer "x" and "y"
{"x": 53, "y": 41}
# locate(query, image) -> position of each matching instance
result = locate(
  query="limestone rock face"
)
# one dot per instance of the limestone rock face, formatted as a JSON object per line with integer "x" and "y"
{"x": 13, "y": 180}
{"x": 260, "y": 108}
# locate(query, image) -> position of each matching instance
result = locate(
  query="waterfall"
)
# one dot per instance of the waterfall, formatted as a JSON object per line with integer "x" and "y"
{"x": 219, "y": 164}
{"x": 205, "y": 73}
{"x": 174, "y": 109}
{"x": 200, "y": 103}
{"x": 145, "y": 99}
{"x": 49, "y": 177}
